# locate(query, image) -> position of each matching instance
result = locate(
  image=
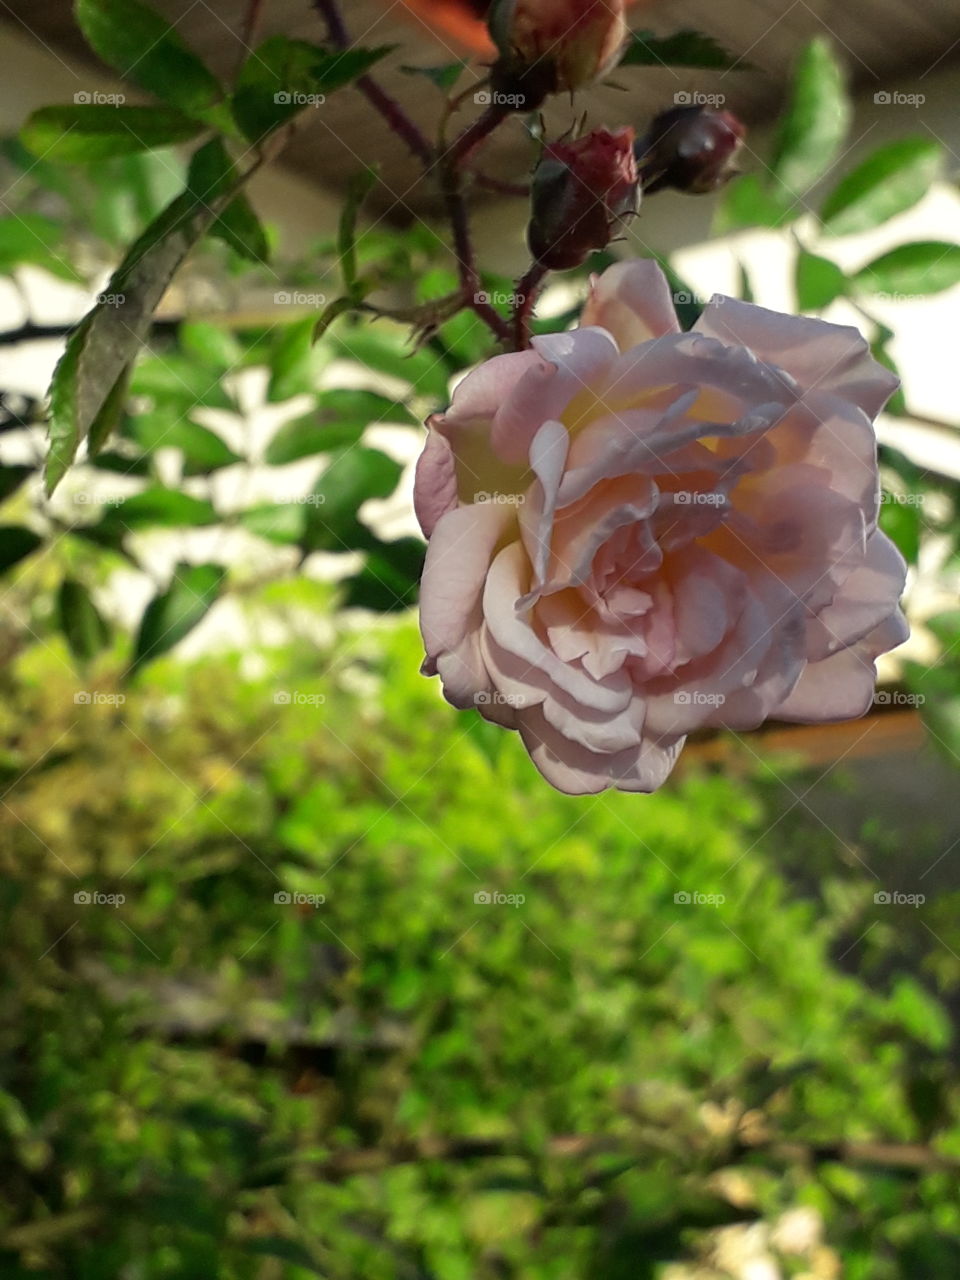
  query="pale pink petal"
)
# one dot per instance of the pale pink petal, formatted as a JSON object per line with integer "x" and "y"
{"x": 631, "y": 300}
{"x": 830, "y": 357}
{"x": 435, "y": 485}
{"x": 866, "y": 598}
{"x": 575, "y": 770}
{"x": 458, "y": 559}
{"x": 842, "y": 686}
{"x": 568, "y": 365}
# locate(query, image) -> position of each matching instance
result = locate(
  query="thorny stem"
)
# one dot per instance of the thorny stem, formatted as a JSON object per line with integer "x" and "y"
{"x": 389, "y": 108}
{"x": 448, "y": 162}
{"x": 528, "y": 290}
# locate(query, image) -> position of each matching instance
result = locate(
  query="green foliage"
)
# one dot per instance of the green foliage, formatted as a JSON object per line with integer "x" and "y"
{"x": 86, "y": 132}
{"x": 403, "y": 1080}
{"x": 813, "y": 129}
{"x": 683, "y": 49}
{"x": 891, "y": 180}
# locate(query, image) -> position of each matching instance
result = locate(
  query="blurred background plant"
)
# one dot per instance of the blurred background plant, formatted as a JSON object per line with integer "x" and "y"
{"x": 308, "y": 974}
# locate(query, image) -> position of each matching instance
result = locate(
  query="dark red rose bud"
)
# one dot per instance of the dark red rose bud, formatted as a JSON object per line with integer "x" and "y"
{"x": 580, "y": 192}
{"x": 691, "y": 149}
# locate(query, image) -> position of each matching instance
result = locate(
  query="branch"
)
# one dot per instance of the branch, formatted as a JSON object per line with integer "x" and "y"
{"x": 528, "y": 290}
{"x": 388, "y": 107}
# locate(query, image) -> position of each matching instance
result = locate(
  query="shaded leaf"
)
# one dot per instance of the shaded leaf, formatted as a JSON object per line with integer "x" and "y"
{"x": 15, "y": 544}
{"x": 745, "y": 202}
{"x": 816, "y": 122}
{"x": 683, "y": 49}
{"x": 159, "y": 506}
{"x": 444, "y": 77}
{"x": 78, "y": 133}
{"x": 912, "y": 270}
{"x": 172, "y": 615}
{"x": 141, "y": 46}
{"x": 11, "y": 478}
{"x": 818, "y": 281}
{"x": 891, "y": 180}
{"x": 352, "y": 477}
{"x": 83, "y": 627}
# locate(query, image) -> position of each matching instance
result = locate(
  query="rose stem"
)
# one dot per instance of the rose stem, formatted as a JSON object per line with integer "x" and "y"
{"x": 389, "y": 108}
{"x": 528, "y": 289}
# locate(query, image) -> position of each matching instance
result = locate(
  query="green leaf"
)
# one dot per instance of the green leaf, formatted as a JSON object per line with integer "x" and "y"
{"x": 352, "y": 477}
{"x": 84, "y": 629}
{"x": 211, "y": 344}
{"x": 280, "y": 522}
{"x": 288, "y": 1251}
{"x": 170, "y": 616}
{"x": 444, "y": 77}
{"x": 897, "y": 404}
{"x": 745, "y": 202}
{"x": 359, "y": 188}
{"x": 240, "y": 228}
{"x": 139, "y": 44}
{"x": 106, "y": 342}
{"x": 31, "y": 238}
{"x": 15, "y": 544}
{"x": 912, "y": 270}
{"x": 389, "y": 580}
{"x": 818, "y": 281}
{"x": 11, "y": 478}
{"x": 283, "y": 77}
{"x": 111, "y": 412}
{"x": 891, "y": 180}
{"x": 901, "y": 521}
{"x": 79, "y": 133}
{"x": 296, "y": 363}
{"x": 683, "y": 49}
{"x": 203, "y": 450}
{"x": 813, "y": 130}
{"x": 340, "y": 419}
{"x": 387, "y": 350}
{"x": 158, "y": 506}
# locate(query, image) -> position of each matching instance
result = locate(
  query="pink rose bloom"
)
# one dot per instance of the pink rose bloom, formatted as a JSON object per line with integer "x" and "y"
{"x": 636, "y": 532}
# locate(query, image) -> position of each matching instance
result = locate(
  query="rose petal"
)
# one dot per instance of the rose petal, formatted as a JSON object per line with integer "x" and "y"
{"x": 632, "y": 301}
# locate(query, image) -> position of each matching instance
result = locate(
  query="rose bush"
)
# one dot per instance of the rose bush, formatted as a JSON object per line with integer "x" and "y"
{"x": 636, "y": 532}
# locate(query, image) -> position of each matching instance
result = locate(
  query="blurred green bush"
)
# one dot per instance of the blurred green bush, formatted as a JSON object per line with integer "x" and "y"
{"x": 403, "y": 1081}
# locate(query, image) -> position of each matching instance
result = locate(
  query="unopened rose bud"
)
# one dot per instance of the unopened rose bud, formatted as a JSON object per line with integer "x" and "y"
{"x": 580, "y": 192}
{"x": 554, "y": 46}
{"x": 691, "y": 149}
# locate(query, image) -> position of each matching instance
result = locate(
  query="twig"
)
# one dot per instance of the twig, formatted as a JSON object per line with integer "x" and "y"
{"x": 528, "y": 290}
{"x": 388, "y": 107}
